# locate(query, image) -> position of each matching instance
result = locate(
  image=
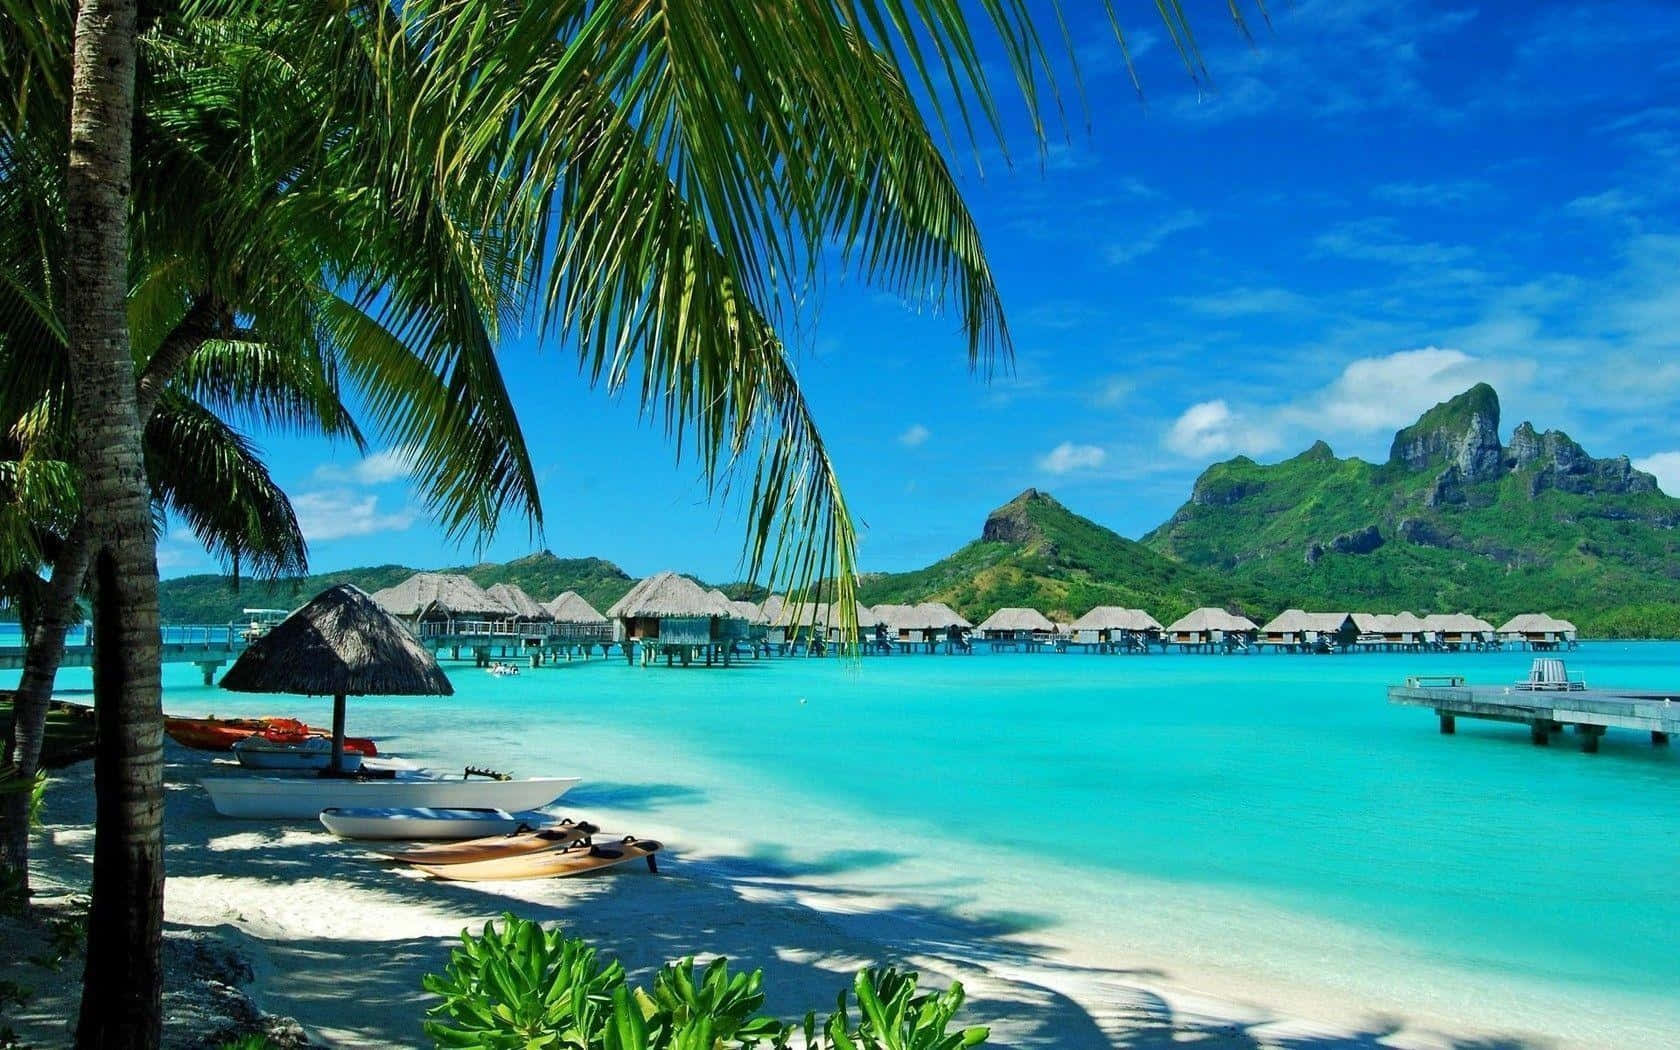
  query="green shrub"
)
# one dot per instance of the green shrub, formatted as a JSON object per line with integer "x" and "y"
{"x": 519, "y": 987}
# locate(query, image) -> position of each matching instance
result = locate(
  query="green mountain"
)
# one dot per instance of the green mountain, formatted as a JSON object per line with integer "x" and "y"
{"x": 212, "y": 599}
{"x": 1035, "y": 552}
{"x": 1454, "y": 520}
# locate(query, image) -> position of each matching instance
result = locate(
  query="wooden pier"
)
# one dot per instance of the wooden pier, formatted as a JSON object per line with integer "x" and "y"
{"x": 210, "y": 648}
{"x": 1544, "y": 711}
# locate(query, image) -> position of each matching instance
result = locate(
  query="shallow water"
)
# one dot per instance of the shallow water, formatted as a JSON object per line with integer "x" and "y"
{"x": 1261, "y": 822}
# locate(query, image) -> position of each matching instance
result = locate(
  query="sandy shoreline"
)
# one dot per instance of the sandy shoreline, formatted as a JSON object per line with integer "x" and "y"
{"x": 339, "y": 942}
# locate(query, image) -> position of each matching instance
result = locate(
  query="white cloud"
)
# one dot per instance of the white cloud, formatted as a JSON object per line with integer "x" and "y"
{"x": 1115, "y": 390}
{"x": 1247, "y": 302}
{"x": 1388, "y": 392}
{"x": 1068, "y": 457}
{"x": 333, "y": 514}
{"x": 1666, "y": 466}
{"x": 1378, "y": 240}
{"x": 1155, "y": 236}
{"x": 392, "y": 464}
{"x": 1211, "y": 428}
{"x": 914, "y": 436}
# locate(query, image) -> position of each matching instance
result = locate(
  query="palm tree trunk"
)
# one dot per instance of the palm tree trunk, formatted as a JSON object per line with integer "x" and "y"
{"x": 56, "y": 606}
{"x": 29, "y": 705}
{"x": 122, "y": 985}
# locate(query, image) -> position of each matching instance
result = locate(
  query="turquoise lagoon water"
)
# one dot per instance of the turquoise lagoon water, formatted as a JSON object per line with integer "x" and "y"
{"x": 1265, "y": 821}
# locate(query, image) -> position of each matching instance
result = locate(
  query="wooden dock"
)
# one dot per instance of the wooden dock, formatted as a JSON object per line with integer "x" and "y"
{"x": 1544, "y": 711}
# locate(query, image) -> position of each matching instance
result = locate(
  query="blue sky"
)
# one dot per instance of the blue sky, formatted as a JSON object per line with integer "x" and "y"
{"x": 1375, "y": 205}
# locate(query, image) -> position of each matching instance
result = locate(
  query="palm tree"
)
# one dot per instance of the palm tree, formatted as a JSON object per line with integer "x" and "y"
{"x": 670, "y": 176}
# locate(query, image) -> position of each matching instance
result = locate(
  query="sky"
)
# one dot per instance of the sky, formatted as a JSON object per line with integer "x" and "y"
{"x": 1371, "y": 206}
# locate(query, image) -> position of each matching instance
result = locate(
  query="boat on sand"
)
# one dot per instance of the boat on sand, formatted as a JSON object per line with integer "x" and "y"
{"x": 549, "y": 864}
{"x": 220, "y": 734}
{"x": 515, "y": 843}
{"x": 426, "y": 823}
{"x": 304, "y": 797}
{"x": 311, "y": 752}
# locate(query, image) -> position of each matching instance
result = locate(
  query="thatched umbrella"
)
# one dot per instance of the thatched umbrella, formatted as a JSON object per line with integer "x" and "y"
{"x": 340, "y": 644}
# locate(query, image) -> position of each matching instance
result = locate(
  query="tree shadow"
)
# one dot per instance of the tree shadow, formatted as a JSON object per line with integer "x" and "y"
{"x": 348, "y": 963}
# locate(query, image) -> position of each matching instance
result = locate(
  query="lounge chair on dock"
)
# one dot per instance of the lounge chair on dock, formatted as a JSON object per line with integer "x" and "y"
{"x": 1549, "y": 674}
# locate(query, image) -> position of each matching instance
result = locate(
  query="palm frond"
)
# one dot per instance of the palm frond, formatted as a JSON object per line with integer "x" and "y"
{"x": 211, "y": 477}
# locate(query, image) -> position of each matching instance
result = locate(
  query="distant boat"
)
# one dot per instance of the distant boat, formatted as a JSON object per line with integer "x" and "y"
{"x": 303, "y": 798}
{"x": 312, "y": 752}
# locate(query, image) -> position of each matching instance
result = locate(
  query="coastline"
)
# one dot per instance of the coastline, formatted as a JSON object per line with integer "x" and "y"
{"x": 339, "y": 942}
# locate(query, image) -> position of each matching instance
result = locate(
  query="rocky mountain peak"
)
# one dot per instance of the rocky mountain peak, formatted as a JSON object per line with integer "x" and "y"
{"x": 1462, "y": 432}
{"x": 1013, "y": 523}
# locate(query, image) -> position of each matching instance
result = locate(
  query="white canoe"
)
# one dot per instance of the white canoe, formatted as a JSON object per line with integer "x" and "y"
{"x": 428, "y": 823}
{"x": 303, "y": 798}
{"x": 255, "y": 752}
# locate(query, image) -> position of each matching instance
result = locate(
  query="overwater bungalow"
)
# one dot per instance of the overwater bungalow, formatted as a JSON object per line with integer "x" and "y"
{"x": 1114, "y": 628}
{"x": 1457, "y": 631}
{"x": 1307, "y": 632}
{"x": 1370, "y": 628}
{"x": 530, "y": 619}
{"x": 1403, "y": 630}
{"x": 672, "y": 615}
{"x": 944, "y": 624}
{"x": 1013, "y": 623}
{"x": 448, "y": 609}
{"x": 576, "y": 622}
{"x": 1538, "y": 631}
{"x": 1211, "y": 629}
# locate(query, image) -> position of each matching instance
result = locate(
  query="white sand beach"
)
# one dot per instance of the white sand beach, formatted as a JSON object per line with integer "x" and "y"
{"x": 339, "y": 941}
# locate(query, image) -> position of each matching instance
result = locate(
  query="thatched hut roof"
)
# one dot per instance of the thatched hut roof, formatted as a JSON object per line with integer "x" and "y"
{"x": 1115, "y": 618}
{"x": 340, "y": 644}
{"x": 745, "y": 610}
{"x": 448, "y": 593}
{"x": 1456, "y": 623}
{"x": 1211, "y": 619}
{"x": 523, "y": 606}
{"x": 1016, "y": 619}
{"x": 938, "y": 615}
{"x": 570, "y": 607}
{"x": 1405, "y": 622}
{"x": 1295, "y": 621}
{"x": 1535, "y": 623}
{"x": 1369, "y": 623}
{"x": 897, "y": 617}
{"x": 668, "y": 596}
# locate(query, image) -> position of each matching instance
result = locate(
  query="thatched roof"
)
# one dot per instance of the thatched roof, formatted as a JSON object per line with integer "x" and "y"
{"x": 570, "y": 607}
{"x": 1369, "y": 623}
{"x": 1210, "y": 619}
{"x": 745, "y": 610}
{"x": 1294, "y": 621}
{"x": 1535, "y": 623}
{"x": 1015, "y": 619}
{"x": 897, "y": 617}
{"x": 939, "y": 615}
{"x": 1406, "y": 622}
{"x": 1455, "y": 623}
{"x": 523, "y": 606}
{"x": 341, "y": 644}
{"x": 668, "y": 595}
{"x": 448, "y": 593}
{"x": 1115, "y": 618}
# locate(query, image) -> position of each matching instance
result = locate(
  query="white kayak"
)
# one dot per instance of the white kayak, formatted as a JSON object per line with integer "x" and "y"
{"x": 304, "y": 797}
{"x": 258, "y": 752}
{"x": 425, "y": 823}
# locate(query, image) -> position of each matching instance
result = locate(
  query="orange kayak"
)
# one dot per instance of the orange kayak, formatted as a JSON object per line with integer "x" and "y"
{"x": 220, "y": 734}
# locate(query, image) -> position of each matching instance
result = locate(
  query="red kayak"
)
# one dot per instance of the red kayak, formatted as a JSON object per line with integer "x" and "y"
{"x": 220, "y": 734}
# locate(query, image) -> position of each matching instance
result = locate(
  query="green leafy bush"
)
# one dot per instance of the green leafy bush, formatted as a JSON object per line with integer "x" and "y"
{"x": 519, "y": 987}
